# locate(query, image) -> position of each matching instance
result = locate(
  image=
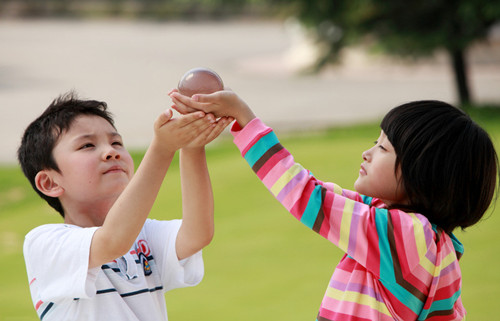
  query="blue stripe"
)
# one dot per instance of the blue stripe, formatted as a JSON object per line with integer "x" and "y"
{"x": 441, "y": 305}
{"x": 260, "y": 147}
{"x": 313, "y": 205}
{"x": 457, "y": 244}
{"x": 141, "y": 291}
{"x": 106, "y": 291}
{"x": 386, "y": 263}
{"x": 46, "y": 310}
{"x": 367, "y": 199}
{"x": 387, "y": 274}
{"x": 123, "y": 295}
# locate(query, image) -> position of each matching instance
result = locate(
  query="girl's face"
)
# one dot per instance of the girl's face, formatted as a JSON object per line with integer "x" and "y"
{"x": 378, "y": 177}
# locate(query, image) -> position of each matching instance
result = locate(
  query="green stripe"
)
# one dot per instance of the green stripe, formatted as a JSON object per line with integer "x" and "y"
{"x": 387, "y": 274}
{"x": 260, "y": 147}
{"x": 440, "y": 305}
{"x": 313, "y": 205}
{"x": 366, "y": 199}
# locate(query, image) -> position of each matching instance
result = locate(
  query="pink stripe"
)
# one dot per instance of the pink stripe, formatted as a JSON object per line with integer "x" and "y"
{"x": 420, "y": 273}
{"x": 295, "y": 194}
{"x": 271, "y": 162}
{"x": 410, "y": 245}
{"x": 38, "y": 304}
{"x": 278, "y": 171}
{"x": 291, "y": 184}
{"x": 336, "y": 219}
{"x": 356, "y": 287}
{"x": 351, "y": 195}
{"x": 31, "y": 282}
{"x": 358, "y": 275}
{"x": 327, "y": 211}
{"x": 360, "y": 243}
{"x": 353, "y": 233}
{"x": 245, "y": 138}
{"x": 350, "y": 311}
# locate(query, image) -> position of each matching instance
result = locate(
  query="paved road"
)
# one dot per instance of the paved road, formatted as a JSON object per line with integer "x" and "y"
{"x": 132, "y": 66}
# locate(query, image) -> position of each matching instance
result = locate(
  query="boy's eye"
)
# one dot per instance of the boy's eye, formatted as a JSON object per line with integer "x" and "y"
{"x": 87, "y": 145}
{"x": 118, "y": 143}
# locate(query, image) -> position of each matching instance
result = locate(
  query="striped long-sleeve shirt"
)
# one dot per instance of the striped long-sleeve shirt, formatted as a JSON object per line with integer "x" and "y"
{"x": 398, "y": 266}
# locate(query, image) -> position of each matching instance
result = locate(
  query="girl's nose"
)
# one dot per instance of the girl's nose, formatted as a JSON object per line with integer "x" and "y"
{"x": 365, "y": 155}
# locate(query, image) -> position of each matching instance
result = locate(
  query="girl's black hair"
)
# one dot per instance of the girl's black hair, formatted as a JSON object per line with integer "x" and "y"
{"x": 449, "y": 166}
{"x": 41, "y": 136}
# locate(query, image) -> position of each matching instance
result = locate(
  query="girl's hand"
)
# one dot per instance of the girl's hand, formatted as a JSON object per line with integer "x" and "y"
{"x": 221, "y": 103}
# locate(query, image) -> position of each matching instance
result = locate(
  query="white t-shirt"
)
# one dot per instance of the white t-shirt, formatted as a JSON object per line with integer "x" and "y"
{"x": 129, "y": 288}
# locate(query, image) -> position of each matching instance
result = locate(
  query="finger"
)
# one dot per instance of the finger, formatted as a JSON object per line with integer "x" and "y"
{"x": 198, "y": 126}
{"x": 204, "y": 98}
{"x": 218, "y": 128}
{"x": 187, "y": 119}
{"x": 173, "y": 90}
{"x": 163, "y": 118}
{"x": 188, "y": 102}
{"x": 181, "y": 107}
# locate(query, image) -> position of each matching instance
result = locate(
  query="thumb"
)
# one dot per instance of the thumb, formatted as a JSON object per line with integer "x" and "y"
{"x": 163, "y": 118}
{"x": 204, "y": 98}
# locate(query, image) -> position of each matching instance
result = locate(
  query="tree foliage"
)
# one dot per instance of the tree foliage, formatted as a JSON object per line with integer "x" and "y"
{"x": 406, "y": 28}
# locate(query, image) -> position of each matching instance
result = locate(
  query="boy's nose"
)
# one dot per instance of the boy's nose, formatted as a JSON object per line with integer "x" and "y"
{"x": 112, "y": 154}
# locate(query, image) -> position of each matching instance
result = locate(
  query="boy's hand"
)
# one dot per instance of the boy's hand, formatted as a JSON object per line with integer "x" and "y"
{"x": 172, "y": 134}
{"x": 210, "y": 133}
{"x": 221, "y": 103}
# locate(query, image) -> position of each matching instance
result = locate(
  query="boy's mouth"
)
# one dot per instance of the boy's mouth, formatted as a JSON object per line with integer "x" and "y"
{"x": 114, "y": 169}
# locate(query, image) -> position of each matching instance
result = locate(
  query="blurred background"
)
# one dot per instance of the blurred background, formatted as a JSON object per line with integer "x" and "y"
{"x": 304, "y": 66}
{"x": 299, "y": 64}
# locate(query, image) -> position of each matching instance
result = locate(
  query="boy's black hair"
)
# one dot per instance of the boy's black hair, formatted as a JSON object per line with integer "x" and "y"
{"x": 448, "y": 163}
{"x": 41, "y": 136}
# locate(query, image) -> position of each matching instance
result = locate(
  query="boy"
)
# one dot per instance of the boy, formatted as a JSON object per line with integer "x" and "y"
{"x": 108, "y": 261}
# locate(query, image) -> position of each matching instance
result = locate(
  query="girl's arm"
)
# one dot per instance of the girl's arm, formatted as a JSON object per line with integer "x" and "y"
{"x": 372, "y": 236}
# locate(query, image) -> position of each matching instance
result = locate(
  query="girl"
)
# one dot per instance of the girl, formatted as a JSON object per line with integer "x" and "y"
{"x": 431, "y": 170}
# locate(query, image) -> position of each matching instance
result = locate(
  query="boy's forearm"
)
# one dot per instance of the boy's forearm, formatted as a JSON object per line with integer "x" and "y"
{"x": 197, "y": 203}
{"x": 126, "y": 217}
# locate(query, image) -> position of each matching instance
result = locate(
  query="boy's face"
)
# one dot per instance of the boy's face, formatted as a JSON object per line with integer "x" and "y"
{"x": 377, "y": 177}
{"x": 94, "y": 165}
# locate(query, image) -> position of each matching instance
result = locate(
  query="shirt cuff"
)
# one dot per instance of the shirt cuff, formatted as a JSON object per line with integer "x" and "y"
{"x": 243, "y": 137}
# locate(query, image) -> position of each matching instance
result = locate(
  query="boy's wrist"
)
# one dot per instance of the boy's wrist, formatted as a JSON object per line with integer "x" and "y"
{"x": 161, "y": 149}
{"x": 193, "y": 150}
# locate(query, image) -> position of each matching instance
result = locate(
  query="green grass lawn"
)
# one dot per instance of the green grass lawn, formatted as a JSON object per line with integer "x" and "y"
{"x": 262, "y": 263}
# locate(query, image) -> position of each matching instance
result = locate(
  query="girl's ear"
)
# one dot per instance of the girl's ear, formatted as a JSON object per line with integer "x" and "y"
{"x": 46, "y": 184}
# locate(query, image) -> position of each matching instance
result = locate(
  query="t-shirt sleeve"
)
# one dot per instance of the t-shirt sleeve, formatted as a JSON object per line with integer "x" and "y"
{"x": 57, "y": 258}
{"x": 162, "y": 237}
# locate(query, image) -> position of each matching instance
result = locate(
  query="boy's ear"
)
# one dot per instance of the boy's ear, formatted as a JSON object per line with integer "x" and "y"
{"x": 46, "y": 184}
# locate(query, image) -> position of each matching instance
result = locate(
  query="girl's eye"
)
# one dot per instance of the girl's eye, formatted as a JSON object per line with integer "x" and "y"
{"x": 380, "y": 146}
{"x": 118, "y": 143}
